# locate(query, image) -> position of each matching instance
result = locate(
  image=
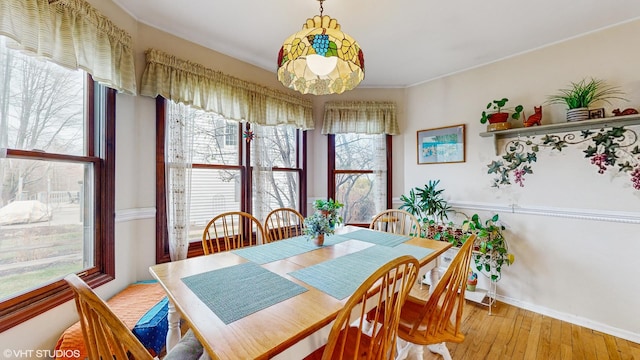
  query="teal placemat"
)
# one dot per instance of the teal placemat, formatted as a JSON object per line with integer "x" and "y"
{"x": 240, "y": 290}
{"x": 283, "y": 249}
{"x": 377, "y": 237}
{"x": 340, "y": 277}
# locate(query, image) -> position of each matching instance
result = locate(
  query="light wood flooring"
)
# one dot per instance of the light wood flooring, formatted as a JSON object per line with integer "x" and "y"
{"x": 512, "y": 333}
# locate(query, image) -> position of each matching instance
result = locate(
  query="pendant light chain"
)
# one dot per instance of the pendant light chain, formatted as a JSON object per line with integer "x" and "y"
{"x": 321, "y": 8}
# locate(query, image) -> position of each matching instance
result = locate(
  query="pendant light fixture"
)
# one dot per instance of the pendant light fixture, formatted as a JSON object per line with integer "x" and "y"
{"x": 320, "y": 59}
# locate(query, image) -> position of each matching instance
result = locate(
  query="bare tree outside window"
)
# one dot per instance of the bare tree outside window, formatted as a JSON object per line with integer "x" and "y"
{"x": 275, "y": 168}
{"x": 220, "y": 157}
{"x": 359, "y": 176}
{"x": 43, "y": 224}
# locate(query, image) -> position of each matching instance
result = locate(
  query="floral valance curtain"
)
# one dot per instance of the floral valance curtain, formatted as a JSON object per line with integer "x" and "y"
{"x": 72, "y": 34}
{"x": 361, "y": 117}
{"x": 202, "y": 88}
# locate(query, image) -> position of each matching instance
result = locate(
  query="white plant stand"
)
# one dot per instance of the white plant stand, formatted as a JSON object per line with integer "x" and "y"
{"x": 483, "y": 296}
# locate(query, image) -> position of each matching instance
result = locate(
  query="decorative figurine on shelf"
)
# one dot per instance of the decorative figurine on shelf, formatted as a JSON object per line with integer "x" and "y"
{"x": 472, "y": 281}
{"x": 534, "y": 119}
{"x": 627, "y": 111}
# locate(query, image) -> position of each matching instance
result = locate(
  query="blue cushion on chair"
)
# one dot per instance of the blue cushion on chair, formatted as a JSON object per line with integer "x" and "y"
{"x": 152, "y": 327}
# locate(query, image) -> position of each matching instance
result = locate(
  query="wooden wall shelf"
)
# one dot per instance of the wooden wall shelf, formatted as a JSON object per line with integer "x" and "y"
{"x": 562, "y": 127}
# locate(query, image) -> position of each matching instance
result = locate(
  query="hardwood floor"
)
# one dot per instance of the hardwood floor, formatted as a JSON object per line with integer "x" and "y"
{"x": 512, "y": 333}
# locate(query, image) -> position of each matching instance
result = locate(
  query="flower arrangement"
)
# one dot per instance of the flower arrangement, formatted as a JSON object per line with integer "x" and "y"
{"x": 324, "y": 219}
{"x": 317, "y": 224}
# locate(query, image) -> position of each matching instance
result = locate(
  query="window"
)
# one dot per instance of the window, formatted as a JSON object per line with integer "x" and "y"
{"x": 231, "y": 137}
{"x": 276, "y": 164}
{"x": 220, "y": 179}
{"x": 360, "y": 175}
{"x": 56, "y": 183}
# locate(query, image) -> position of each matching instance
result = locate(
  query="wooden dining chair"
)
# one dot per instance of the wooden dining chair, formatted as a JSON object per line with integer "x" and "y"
{"x": 436, "y": 321}
{"x": 232, "y": 230}
{"x": 352, "y": 336}
{"x": 107, "y": 337}
{"x": 396, "y": 221}
{"x": 283, "y": 223}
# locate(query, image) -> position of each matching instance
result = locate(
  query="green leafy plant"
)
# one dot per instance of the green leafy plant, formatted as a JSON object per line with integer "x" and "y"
{"x": 427, "y": 204}
{"x": 329, "y": 208}
{"x": 491, "y": 250}
{"x": 586, "y": 92}
{"x": 450, "y": 233}
{"x": 497, "y": 106}
{"x": 317, "y": 224}
{"x": 517, "y": 160}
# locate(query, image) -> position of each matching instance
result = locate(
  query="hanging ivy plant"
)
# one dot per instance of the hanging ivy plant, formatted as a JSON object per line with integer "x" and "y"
{"x": 608, "y": 149}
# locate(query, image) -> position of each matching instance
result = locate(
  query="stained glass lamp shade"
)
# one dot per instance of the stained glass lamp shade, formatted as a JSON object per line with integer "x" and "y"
{"x": 320, "y": 59}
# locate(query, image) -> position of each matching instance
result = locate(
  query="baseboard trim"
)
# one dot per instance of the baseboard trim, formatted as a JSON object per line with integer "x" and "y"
{"x": 577, "y": 320}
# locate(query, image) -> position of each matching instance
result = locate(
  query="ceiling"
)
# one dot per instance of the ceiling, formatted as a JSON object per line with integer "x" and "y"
{"x": 405, "y": 42}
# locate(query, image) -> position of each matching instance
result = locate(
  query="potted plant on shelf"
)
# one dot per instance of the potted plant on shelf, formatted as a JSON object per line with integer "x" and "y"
{"x": 499, "y": 115}
{"x": 579, "y": 96}
{"x": 491, "y": 250}
{"x": 429, "y": 206}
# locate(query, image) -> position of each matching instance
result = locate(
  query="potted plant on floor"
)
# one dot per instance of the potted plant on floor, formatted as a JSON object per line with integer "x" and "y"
{"x": 491, "y": 249}
{"x": 498, "y": 115}
{"x": 579, "y": 96}
{"x": 428, "y": 205}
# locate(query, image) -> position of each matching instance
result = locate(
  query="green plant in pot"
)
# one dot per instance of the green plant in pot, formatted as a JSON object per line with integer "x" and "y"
{"x": 316, "y": 226}
{"x": 329, "y": 208}
{"x": 497, "y": 112}
{"x": 427, "y": 204}
{"x": 579, "y": 96}
{"x": 491, "y": 248}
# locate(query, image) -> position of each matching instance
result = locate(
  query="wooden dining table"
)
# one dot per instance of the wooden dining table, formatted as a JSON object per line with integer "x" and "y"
{"x": 295, "y": 324}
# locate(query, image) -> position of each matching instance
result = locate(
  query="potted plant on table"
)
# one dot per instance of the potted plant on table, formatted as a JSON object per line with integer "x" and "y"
{"x": 497, "y": 114}
{"x": 323, "y": 221}
{"x": 316, "y": 226}
{"x": 579, "y": 96}
{"x": 329, "y": 208}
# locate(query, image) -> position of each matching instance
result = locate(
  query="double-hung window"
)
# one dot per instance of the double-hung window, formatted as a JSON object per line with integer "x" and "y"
{"x": 227, "y": 166}
{"x": 57, "y": 148}
{"x": 359, "y": 138}
{"x": 360, "y": 169}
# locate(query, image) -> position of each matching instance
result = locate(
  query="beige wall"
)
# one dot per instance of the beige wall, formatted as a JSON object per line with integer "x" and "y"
{"x": 567, "y": 265}
{"x": 579, "y": 270}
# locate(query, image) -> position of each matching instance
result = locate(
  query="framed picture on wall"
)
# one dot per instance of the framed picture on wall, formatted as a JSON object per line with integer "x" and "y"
{"x": 441, "y": 145}
{"x": 596, "y": 113}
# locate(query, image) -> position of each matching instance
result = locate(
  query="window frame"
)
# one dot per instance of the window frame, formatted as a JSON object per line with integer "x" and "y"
{"x": 244, "y": 166}
{"x": 333, "y": 172}
{"x": 21, "y": 308}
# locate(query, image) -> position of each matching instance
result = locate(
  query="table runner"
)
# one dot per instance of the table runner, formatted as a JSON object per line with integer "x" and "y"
{"x": 377, "y": 237}
{"x": 283, "y": 249}
{"x": 240, "y": 290}
{"x": 340, "y": 277}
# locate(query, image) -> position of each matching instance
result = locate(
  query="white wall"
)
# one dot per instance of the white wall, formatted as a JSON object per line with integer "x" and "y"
{"x": 568, "y": 265}
{"x": 580, "y": 270}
